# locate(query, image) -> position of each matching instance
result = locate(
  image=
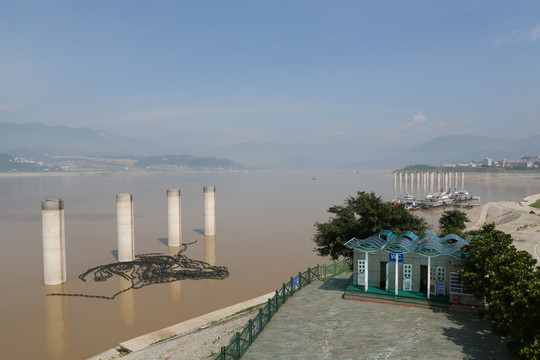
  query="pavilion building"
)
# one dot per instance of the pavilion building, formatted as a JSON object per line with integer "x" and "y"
{"x": 415, "y": 270}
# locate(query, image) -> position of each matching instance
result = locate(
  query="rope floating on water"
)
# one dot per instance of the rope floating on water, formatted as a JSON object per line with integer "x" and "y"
{"x": 155, "y": 268}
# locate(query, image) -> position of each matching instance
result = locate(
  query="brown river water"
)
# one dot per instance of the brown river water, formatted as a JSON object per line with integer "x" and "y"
{"x": 264, "y": 222}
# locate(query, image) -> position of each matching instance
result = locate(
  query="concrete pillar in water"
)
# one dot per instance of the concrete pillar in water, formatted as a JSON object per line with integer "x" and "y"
{"x": 174, "y": 206}
{"x": 209, "y": 210}
{"x": 124, "y": 212}
{"x": 438, "y": 181}
{"x": 54, "y": 242}
{"x": 400, "y": 182}
{"x": 412, "y": 182}
{"x": 456, "y": 180}
{"x": 395, "y": 182}
{"x": 463, "y": 180}
{"x": 432, "y": 181}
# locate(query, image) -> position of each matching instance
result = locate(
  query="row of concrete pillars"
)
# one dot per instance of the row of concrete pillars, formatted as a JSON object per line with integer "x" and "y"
{"x": 53, "y": 229}
{"x": 430, "y": 181}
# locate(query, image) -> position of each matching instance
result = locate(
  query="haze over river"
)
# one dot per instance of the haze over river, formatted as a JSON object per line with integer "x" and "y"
{"x": 264, "y": 229}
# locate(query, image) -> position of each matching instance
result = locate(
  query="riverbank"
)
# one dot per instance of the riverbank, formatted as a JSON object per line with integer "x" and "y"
{"x": 195, "y": 339}
{"x": 202, "y": 337}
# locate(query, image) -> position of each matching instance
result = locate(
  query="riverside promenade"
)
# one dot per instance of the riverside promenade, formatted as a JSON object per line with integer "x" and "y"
{"x": 316, "y": 323}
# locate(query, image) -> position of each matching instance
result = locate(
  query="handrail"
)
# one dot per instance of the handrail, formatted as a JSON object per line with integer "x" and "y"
{"x": 243, "y": 339}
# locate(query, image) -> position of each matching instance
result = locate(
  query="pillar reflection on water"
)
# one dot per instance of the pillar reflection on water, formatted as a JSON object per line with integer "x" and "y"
{"x": 210, "y": 253}
{"x": 126, "y": 302}
{"x": 56, "y": 330}
{"x": 175, "y": 287}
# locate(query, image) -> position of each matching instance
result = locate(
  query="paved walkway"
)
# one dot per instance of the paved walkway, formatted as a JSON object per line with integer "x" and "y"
{"x": 316, "y": 323}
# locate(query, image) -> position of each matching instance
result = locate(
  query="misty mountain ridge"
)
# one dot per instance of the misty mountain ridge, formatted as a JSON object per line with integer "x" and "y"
{"x": 35, "y": 138}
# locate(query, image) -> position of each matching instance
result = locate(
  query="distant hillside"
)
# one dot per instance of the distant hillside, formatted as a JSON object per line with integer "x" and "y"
{"x": 10, "y": 163}
{"x": 459, "y": 148}
{"x": 186, "y": 161}
{"x": 35, "y": 138}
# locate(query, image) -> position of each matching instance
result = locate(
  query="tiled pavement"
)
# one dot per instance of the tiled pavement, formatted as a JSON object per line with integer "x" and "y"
{"x": 316, "y": 323}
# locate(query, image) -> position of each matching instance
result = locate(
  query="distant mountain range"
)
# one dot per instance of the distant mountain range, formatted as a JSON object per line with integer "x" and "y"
{"x": 34, "y": 139}
{"x": 464, "y": 148}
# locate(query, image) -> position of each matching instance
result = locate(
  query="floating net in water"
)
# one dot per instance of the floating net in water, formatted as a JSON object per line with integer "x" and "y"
{"x": 148, "y": 269}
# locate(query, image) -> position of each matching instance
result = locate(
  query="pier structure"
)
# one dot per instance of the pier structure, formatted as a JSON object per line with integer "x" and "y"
{"x": 54, "y": 242}
{"x": 429, "y": 181}
{"x": 174, "y": 211}
{"x": 126, "y": 240}
{"x": 209, "y": 193}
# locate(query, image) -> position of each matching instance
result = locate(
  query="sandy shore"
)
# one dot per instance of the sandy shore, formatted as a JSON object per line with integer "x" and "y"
{"x": 515, "y": 218}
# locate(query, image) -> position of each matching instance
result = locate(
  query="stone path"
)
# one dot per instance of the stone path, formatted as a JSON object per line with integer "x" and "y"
{"x": 316, "y": 323}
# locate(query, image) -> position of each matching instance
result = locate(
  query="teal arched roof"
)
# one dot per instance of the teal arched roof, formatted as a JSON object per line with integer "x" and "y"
{"x": 427, "y": 244}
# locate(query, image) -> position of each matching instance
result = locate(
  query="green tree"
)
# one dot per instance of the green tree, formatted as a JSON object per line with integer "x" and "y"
{"x": 509, "y": 280}
{"x": 362, "y": 216}
{"x": 452, "y": 222}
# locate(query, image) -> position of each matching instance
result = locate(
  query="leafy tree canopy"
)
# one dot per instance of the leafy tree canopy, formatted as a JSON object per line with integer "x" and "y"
{"x": 453, "y": 222}
{"x": 362, "y": 216}
{"x": 509, "y": 280}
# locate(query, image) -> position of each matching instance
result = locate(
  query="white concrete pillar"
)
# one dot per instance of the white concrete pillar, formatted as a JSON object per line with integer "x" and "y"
{"x": 463, "y": 180}
{"x": 54, "y": 242}
{"x": 366, "y": 279}
{"x": 400, "y": 182}
{"x": 438, "y": 181}
{"x": 210, "y": 250}
{"x": 174, "y": 206}
{"x": 209, "y": 193}
{"x": 124, "y": 212}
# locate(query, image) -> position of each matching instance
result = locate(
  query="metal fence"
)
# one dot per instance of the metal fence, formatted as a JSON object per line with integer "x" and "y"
{"x": 242, "y": 340}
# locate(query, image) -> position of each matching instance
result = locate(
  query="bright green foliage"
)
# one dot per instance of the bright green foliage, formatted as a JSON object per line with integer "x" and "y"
{"x": 362, "y": 216}
{"x": 509, "y": 280}
{"x": 452, "y": 222}
{"x": 536, "y": 204}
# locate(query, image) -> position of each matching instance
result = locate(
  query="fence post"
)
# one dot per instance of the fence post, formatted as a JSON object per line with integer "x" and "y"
{"x": 292, "y": 288}
{"x": 299, "y": 280}
{"x": 269, "y": 309}
{"x": 277, "y": 300}
{"x": 250, "y": 331}
{"x": 261, "y": 326}
{"x": 237, "y": 341}
{"x": 223, "y": 352}
{"x": 283, "y": 292}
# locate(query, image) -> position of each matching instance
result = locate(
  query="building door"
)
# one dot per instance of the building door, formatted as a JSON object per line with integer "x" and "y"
{"x": 383, "y": 285}
{"x": 423, "y": 278}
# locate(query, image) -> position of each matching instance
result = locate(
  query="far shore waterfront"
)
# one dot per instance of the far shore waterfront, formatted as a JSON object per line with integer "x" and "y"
{"x": 201, "y": 337}
{"x": 485, "y": 175}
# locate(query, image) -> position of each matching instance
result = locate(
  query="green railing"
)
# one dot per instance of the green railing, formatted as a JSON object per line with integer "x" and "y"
{"x": 242, "y": 340}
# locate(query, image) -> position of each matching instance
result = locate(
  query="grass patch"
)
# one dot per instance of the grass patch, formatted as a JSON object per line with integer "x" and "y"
{"x": 214, "y": 322}
{"x": 536, "y": 204}
{"x": 162, "y": 340}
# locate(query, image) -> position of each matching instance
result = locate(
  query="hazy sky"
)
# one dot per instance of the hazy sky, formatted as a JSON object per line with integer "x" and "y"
{"x": 212, "y": 73}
